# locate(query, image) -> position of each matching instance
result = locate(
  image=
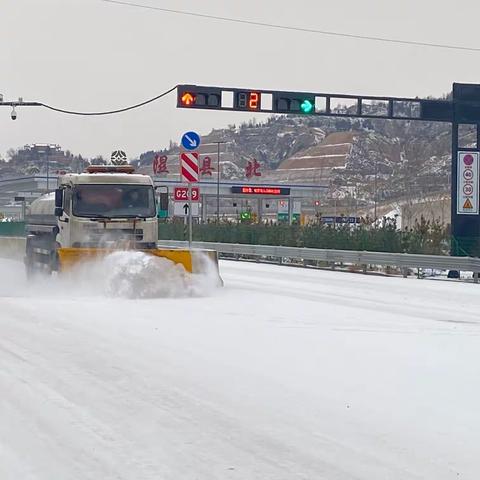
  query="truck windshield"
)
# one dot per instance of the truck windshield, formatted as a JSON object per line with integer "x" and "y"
{"x": 114, "y": 201}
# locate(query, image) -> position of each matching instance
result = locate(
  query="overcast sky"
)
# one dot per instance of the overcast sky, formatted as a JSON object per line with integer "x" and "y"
{"x": 91, "y": 55}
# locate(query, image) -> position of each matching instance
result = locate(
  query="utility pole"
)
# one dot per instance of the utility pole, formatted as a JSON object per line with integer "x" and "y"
{"x": 218, "y": 179}
{"x": 356, "y": 202}
{"x": 48, "y": 168}
{"x": 332, "y": 195}
{"x": 335, "y": 213}
{"x": 375, "y": 196}
{"x": 46, "y": 153}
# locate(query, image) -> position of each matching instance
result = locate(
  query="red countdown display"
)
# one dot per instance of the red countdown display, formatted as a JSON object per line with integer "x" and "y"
{"x": 247, "y": 101}
{"x": 254, "y": 101}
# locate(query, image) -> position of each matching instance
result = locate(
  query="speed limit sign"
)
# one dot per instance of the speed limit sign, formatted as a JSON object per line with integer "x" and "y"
{"x": 181, "y": 194}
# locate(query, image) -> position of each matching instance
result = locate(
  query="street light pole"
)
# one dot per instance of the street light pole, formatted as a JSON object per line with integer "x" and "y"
{"x": 375, "y": 196}
{"x": 335, "y": 213}
{"x": 48, "y": 168}
{"x": 218, "y": 179}
{"x": 356, "y": 202}
{"x": 46, "y": 158}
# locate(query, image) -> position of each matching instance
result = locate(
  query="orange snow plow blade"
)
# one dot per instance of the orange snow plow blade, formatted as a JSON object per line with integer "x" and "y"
{"x": 194, "y": 261}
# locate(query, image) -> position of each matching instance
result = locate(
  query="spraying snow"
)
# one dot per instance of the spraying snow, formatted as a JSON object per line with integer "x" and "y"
{"x": 126, "y": 274}
{"x": 131, "y": 274}
{"x": 138, "y": 275}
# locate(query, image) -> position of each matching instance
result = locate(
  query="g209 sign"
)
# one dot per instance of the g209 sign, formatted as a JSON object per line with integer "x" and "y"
{"x": 180, "y": 194}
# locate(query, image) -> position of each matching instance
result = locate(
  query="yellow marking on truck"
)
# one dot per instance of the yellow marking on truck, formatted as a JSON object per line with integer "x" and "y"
{"x": 69, "y": 257}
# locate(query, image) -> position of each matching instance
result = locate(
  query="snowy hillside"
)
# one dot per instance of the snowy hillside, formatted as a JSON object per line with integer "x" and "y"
{"x": 409, "y": 159}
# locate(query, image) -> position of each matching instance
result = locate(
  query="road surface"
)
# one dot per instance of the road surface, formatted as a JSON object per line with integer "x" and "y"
{"x": 283, "y": 374}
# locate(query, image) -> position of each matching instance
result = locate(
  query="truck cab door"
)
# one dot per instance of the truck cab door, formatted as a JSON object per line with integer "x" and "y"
{"x": 63, "y": 237}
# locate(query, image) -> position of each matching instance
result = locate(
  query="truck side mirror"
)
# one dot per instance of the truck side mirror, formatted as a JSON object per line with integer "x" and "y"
{"x": 58, "y": 202}
{"x": 58, "y": 198}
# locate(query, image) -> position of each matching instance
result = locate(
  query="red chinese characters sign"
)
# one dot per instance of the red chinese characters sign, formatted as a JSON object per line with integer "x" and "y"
{"x": 206, "y": 166}
{"x": 253, "y": 169}
{"x": 160, "y": 164}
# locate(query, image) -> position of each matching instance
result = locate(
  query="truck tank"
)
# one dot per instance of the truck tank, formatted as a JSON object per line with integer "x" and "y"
{"x": 44, "y": 205}
{"x": 42, "y": 229}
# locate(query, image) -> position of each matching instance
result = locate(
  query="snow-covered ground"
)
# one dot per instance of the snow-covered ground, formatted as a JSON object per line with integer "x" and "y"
{"x": 283, "y": 374}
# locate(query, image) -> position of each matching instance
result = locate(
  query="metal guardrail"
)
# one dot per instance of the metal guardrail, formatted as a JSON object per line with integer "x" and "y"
{"x": 400, "y": 260}
{"x": 14, "y": 247}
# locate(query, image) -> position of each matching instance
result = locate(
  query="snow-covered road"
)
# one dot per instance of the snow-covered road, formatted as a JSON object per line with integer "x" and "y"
{"x": 283, "y": 374}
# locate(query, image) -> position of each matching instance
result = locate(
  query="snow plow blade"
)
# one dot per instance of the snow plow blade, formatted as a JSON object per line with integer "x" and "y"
{"x": 194, "y": 261}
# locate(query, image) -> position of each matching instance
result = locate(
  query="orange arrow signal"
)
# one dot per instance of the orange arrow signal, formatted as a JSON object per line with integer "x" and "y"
{"x": 188, "y": 99}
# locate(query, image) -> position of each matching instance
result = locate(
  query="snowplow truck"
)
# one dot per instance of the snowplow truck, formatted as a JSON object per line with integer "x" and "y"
{"x": 92, "y": 214}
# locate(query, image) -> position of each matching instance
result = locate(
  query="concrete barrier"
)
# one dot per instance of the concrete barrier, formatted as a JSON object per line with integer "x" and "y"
{"x": 12, "y": 247}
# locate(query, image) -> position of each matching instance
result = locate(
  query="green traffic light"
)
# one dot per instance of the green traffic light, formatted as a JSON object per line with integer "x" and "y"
{"x": 306, "y": 106}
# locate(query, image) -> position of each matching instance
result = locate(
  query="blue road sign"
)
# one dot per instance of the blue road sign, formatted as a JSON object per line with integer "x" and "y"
{"x": 190, "y": 140}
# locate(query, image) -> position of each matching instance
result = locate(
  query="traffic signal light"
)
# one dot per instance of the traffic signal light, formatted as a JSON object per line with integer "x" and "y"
{"x": 191, "y": 96}
{"x": 187, "y": 99}
{"x": 286, "y": 102}
{"x": 307, "y": 106}
{"x": 326, "y": 104}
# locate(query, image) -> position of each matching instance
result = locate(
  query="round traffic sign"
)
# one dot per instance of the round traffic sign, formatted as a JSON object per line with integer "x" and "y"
{"x": 190, "y": 140}
{"x": 468, "y": 174}
{"x": 468, "y": 189}
{"x": 468, "y": 159}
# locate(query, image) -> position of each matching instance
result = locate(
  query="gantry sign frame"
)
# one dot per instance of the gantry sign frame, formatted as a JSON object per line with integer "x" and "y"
{"x": 462, "y": 109}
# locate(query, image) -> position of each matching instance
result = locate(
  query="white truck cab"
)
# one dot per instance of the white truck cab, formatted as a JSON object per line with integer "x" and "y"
{"x": 106, "y": 207}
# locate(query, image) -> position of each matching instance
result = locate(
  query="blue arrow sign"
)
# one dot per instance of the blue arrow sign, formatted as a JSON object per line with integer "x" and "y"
{"x": 190, "y": 140}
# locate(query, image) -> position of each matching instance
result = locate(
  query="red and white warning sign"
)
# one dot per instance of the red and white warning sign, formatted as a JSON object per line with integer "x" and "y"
{"x": 467, "y": 188}
{"x": 189, "y": 167}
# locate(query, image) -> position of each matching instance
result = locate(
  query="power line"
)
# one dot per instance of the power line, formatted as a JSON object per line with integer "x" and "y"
{"x": 109, "y": 112}
{"x": 296, "y": 29}
{"x": 21, "y": 103}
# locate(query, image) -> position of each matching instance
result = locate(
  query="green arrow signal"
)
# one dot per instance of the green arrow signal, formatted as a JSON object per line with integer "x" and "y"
{"x": 306, "y": 106}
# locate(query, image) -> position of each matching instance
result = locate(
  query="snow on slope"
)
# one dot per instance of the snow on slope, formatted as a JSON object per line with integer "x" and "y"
{"x": 283, "y": 374}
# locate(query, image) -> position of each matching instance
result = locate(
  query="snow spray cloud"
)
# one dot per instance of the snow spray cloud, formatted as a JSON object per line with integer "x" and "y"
{"x": 124, "y": 274}
{"x": 132, "y": 274}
